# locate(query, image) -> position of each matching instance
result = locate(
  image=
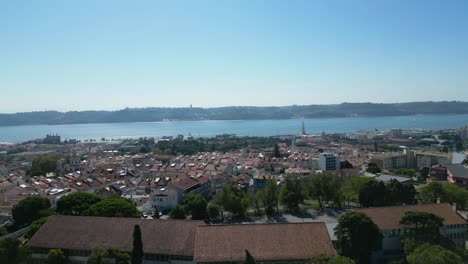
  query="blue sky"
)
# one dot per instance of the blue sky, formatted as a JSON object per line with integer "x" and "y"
{"x": 77, "y": 55}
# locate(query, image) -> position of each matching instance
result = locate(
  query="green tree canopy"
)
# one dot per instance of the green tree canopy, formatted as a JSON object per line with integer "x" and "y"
{"x": 446, "y": 192}
{"x": 373, "y": 194}
{"x": 195, "y": 205}
{"x": 76, "y": 203}
{"x": 291, "y": 194}
{"x": 425, "y": 225}
{"x": 43, "y": 165}
{"x": 56, "y": 256}
{"x": 118, "y": 256}
{"x": 34, "y": 227}
{"x": 324, "y": 187}
{"x": 346, "y": 165}
{"x": 11, "y": 251}
{"x": 433, "y": 254}
{"x": 353, "y": 186}
{"x": 212, "y": 210}
{"x": 178, "y": 212}
{"x": 29, "y": 210}
{"x": 232, "y": 200}
{"x": 373, "y": 168}
{"x": 357, "y": 236}
{"x": 97, "y": 256}
{"x": 113, "y": 207}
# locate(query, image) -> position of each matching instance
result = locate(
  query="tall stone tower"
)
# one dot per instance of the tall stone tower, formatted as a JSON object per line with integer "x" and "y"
{"x": 303, "y": 132}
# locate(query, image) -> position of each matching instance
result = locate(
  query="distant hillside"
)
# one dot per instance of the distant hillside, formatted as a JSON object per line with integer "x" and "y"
{"x": 233, "y": 113}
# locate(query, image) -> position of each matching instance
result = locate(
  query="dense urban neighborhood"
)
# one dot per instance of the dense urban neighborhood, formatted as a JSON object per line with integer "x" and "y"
{"x": 396, "y": 196}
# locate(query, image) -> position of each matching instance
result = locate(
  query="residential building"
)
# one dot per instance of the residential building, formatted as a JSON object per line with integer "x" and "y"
{"x": 457, "y": 173}
{"x": 191, "y": 185}
{"x": 438, "y": 172}
{"x": 427, "y": 160}
{"x": 163, "y": 199}
{"x": 52, "y": 139}
{"x": 329, "y": 162}
{"x": 387, "y": 162}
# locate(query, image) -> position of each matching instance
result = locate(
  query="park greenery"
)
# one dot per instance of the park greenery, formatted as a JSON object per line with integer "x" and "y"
{"x": 373, "y": 168}
{"x": 29, "y": 210}
{"x": 42, "y": 165}
{"x": 191, "y": 146}
{"x": 445, "y": 192}
{"x": 76, "y": 203}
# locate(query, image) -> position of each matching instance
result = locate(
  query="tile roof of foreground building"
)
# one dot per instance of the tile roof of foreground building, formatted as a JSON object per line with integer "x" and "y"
{"x": 389, "y": 217}
{"x": 166, "y": 237}
{"x": 288, "y": 241}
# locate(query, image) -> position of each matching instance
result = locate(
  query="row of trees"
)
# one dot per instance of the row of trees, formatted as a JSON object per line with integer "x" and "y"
{"x": 325, "y": 189}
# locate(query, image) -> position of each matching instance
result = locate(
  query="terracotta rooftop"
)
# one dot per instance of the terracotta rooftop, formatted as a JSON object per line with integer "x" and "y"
{"x": 292, "y": 241}
{"x": 167, "y": 237}
{"x": 389, "y": 217}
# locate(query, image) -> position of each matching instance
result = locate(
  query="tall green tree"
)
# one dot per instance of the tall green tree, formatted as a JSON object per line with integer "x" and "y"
{"x": 270, "y": 197}
{"x": 43, "y": 165}
{"x": 324, "y": 188}
{"x": 213, "y": 211}
{"x": 178, "y": 212}
{"x": 56, "y": 256}
{"x": 353, "y": 186}
{"x": 400, "y": 193}
{"x": 232, "y": 200}
{"x": 113, "y": 207}
{"x": 11, "y": 251}
{"x": 433, "y": 254}
{"x": 425, "y": 226}
{"x": 248, "y": 258}
{"x": 29, "y": 210}
{"x": 357, "y": 236}
{"x": 373, "y": 194}
{"x": 76, "y": 203}
{"x": 137, "y": 251}
{"x": 291, "y": 194}
{"x": 373, "y": 168}
{"x": 276, "y": 151}
{"x": 195, "y": 205}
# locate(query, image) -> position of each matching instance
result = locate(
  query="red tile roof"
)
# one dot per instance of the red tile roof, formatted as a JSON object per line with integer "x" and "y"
{"x": 292, "y": 241}
{"x": 166, "y": 237}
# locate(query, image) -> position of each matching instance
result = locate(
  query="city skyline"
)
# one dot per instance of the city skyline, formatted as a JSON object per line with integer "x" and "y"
{"x": 110, "y": 55}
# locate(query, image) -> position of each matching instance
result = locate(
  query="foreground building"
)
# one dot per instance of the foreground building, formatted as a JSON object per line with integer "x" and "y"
{"x": 388, "y": 220}
{"x": 181, "y": 241}
{"x": 292, "y": 242}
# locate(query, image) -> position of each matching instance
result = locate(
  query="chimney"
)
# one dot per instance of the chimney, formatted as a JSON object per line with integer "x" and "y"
{"x": 454, "y": 207}
{"x": 438, "y": 200}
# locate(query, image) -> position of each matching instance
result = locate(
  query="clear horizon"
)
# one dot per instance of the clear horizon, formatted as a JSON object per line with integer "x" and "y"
{"x": 109, "y": 55}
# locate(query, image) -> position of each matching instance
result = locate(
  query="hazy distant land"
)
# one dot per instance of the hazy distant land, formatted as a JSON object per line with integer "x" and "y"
{"x": 154, "y": 114}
